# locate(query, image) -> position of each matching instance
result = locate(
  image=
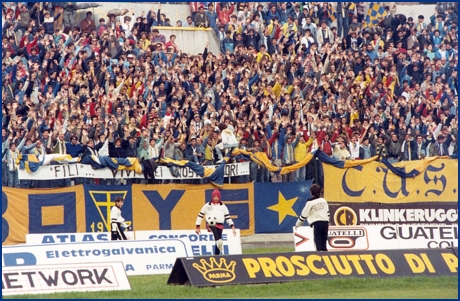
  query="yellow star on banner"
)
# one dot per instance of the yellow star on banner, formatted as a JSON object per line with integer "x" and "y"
{"x": 284, "y": 207}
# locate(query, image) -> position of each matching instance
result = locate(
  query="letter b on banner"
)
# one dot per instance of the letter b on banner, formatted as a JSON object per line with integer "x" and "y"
{"x": 19, "y": 259}
{"x": 5, "y": 226}
{"x": 52, "y": 213}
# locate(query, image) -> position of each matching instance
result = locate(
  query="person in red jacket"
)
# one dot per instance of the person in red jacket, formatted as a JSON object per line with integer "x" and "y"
{"x": 324, "y": 142}
{"x": 224, "y": 13}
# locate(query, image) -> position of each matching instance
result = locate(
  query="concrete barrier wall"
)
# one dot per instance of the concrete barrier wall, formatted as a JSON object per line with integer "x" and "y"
{"x": 192, "y": 41}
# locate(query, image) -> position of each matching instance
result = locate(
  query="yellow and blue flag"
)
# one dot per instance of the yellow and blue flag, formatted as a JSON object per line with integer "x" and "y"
{"x": 351, "y": 8}
{"x": 375, "y": 14}
{"x": 332, "y": 12}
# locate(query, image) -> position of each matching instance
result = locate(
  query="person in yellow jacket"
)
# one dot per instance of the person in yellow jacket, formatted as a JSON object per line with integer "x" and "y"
{"x": 273, "y": 89}
{"x": 363, "y": 80}
{"x": 263, "y": 53}
{"x": 300, "y": 153}
{"x": 287, "y": 27}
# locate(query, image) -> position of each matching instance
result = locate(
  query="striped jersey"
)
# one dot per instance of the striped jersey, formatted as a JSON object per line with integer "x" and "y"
{"x": 217, "y": 210}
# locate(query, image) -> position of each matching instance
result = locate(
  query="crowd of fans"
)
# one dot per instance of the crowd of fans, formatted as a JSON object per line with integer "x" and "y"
{"x": 285, "y": 81}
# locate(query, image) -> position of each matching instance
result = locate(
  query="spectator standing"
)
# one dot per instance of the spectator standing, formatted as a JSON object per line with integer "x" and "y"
{"x": 360, "y": 11}
{"x": 13, "y": 153}
{"x": 194, "y": 8}
{"x": 223, "y": 12}
{"x": 69, "y": 13}
{"x": 439, "y": 148}
{"x": 212, "y": 15}
{"x": 202, "y": 18}
{"x": 342, "y": 19}
{"x": 87, "y": 24}
{"x": 276, "y": 143}
{"x": 288, "y": 154}
{"x": 300, "y": 154}
{"x": 48, "y": 21}
{"x": 324, "y": 35}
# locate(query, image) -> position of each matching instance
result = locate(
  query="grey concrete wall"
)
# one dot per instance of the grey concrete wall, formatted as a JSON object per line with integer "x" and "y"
{"x": 192, "y": 41}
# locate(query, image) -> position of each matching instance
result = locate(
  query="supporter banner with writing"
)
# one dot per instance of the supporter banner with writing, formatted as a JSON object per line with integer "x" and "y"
{"x": 277, "y": 205}
{"x": 86, "y": 208}
{"x": 373, "y": 182}
{"x": 352, "y": 214}
{"x": 77, "y": 170}
{"x": 176, "y": 206}
{"x": 27, "y": 211}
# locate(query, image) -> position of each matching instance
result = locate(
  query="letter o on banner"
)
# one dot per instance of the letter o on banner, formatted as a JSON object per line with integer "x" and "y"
{"x": 385, "y": 264}
{"x": 66, "y": 279}
{"x": 285, "y": 266}
{"x": 342, "y": 242}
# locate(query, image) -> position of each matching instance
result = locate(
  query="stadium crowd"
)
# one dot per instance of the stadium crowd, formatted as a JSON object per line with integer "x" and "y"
{"x": 286, "y": 81}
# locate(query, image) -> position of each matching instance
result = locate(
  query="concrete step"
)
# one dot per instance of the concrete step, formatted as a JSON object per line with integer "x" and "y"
{"x": 275, "y": 237}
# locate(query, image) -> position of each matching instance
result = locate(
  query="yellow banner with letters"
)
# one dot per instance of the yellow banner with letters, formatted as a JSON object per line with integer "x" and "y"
{"x": 174, "y": 207}
{"x": 86, "y": 208}
{"x": 27, "y": 211}
{"x": 374, "y": 182}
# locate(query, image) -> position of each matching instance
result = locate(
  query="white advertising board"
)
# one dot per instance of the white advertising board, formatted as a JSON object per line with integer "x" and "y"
{"x": 45, "y": 279}
{"x": 197, "y": 245}
{"x": 77, "y": 170}
{"x": 59, "y": 238}
{"x": 380, "y": 237}
{"x": 139, "y": 257}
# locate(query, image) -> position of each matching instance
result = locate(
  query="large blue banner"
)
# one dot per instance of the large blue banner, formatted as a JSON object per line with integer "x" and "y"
{"x": 99, "y": 200}
{"x": 277, "y": 205}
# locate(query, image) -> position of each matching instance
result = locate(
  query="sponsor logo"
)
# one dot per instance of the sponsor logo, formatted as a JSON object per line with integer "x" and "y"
{"x": 138, "y": 257}
{"x": 346, "y": 238}
{"x": 420, "y": 232}
{"x": 408, "y": 215}
{"x": 338, "y": 238}
{"x": 282, "y": 267}
{"x": 313, "y": 264}
{"x": 68, "y": 277}
{"x": 216, "y": 272}
{"x": 345, "y": 216}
